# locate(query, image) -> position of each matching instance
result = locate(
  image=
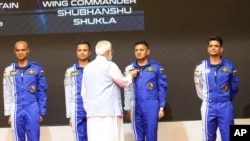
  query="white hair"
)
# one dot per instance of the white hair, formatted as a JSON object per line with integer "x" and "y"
{"x": 102, "y": 46}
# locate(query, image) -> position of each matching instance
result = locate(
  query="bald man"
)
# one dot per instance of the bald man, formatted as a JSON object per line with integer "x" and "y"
{"x": 24, "y": 90}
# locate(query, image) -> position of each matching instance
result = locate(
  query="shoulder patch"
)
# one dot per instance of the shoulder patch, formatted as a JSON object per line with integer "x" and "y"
{"x": 196, "y": 73}
{"x": 4, "y": 74}
{"x": 42, "y": 73}
{"x": 234, "y": 72}
{"x": 4, "y": 77}
{"x": 66, "y": 74}
{"x": 162, "y": 70}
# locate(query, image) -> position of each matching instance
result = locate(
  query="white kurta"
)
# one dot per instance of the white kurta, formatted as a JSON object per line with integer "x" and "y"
{"x": 102, "y": 80}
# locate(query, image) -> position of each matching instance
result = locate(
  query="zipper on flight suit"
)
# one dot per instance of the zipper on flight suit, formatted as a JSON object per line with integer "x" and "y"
{"x": 215, "y": 76}
{"x": 22, "y": 77}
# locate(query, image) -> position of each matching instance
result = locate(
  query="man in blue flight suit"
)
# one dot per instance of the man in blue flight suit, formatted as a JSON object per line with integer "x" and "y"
{"x": 24, "y": 90}
{"x": 74, "y": 101}
{"x": 216, "y": 84}
{"x": 145, "y": 99}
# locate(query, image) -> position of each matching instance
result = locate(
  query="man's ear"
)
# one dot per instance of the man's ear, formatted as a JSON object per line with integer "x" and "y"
{"x": 221, "y": 49}
{"x": 148, "y": 52}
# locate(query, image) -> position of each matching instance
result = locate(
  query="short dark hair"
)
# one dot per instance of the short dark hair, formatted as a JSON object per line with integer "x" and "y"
{"x": 142, "y": 42}
{"x": 216, "y": 38}
{"x": 84, "y": 42}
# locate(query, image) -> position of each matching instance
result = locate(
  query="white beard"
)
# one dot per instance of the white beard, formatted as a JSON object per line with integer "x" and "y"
{"x": 110, "y": 57}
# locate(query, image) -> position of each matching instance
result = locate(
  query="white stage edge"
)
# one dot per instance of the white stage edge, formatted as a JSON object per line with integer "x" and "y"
{"x": 168, "y": 131}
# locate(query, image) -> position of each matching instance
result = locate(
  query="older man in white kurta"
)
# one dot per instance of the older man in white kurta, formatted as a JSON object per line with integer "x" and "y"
{"x": 102, "y": 80}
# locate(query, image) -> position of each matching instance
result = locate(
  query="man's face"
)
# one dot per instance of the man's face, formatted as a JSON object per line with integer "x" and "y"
{"x": 82, "y": 52}
{"x": 110, "y": 54}
{"x": 214, "y": 48}
{"x": 141, "y": 52}
{"x": 21, "y": 51}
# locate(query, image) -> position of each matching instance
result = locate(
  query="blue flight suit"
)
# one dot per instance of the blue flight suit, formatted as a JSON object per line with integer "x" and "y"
{"x": 216, "y": 85}
{"x": 75, "y": 103}
{"x": 25, "y": 98}
{"x": 145, "y": 97}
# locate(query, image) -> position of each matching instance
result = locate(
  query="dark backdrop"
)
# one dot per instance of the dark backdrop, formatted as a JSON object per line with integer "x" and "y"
{"x": 177, "y": 32}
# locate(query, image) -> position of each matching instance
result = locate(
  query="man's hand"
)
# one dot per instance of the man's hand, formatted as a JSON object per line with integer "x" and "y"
{"x": 161, "y": 114}
{"x": 128, "y": 115}
{"x": 134, "y": 72}
{"x": 41, "y": 118}
{"x": 9, "y": 120}
{"x": 70, "y": 122}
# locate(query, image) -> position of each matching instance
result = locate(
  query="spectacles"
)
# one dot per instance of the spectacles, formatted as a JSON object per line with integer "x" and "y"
{"x": 112, "y": 51}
